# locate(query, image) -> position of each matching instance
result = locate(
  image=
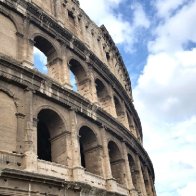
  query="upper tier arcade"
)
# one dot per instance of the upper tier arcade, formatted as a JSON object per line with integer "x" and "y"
{"x": 97, "y": 39}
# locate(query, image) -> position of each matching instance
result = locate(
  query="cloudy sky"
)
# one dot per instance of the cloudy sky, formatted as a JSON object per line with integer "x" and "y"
{"x": 157, "y": 39}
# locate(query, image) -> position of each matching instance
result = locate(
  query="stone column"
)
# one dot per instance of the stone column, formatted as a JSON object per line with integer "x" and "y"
{"x": 110, "y": 181}
{"x": 93, "y": 91}
{"x": 149, "y": 190}
{"x": 65, "y": 72}
{"x": 30, "y": 148}
{"x": 28, "y": 53}
{"x": 140, "y": 176}
{"x": 58, "y": 11}
{"x": 20, "y": 40}
{"x": 78, "y": 170}
{"x": 20, "y": 132}
{"x": 129, "y": 182}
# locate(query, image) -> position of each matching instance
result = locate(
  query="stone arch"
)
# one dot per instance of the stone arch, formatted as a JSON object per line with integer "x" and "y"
{"x": 8, "y": 37}
{"x": 90, "y": 151}
{"x": 50, "y": 136}
{"x": 104, "y": 98}
{"x": 101, "y": 90}
{"x": 79, "y": 72}
{"x": 118, "y": 107}
{"x": 51, "y": 52}
{"x": 8, "y": 122}
{"x": 116, "y": 162}
{"x": 134, "y": 171}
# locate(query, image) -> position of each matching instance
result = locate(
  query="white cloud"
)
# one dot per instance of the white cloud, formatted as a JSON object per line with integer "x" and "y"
{"x": 165, "y": 98}
{"x": 122, "y": 31}
{"x": 188, "y": 190}
{"x": 167, "y": 84}
{"x": 167, "y": 7}
{"x": 174, "y": 33}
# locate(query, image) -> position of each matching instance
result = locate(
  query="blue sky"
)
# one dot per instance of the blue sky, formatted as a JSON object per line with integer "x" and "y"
{"x": 157, "y": 39}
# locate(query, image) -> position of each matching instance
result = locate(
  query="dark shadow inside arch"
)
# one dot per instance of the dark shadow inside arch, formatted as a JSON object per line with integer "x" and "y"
{"x": 50, "y": 141}
{"x": 118, "y": 107}
{"x": 100, "y": 89}
{"x": 43, "y": 143}
{"x": 116, "y": 162}
{"x": 90, "y": 152}
{"x": 134, "y": 173}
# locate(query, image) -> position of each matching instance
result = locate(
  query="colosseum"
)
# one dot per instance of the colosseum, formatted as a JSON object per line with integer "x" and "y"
{"x": 59, "y": 139}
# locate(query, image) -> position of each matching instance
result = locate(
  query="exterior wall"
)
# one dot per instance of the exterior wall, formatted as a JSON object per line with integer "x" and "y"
{"x": 28, "y": 98}
{"x": 8, "y": 37}
{"x": 8, "y": 123}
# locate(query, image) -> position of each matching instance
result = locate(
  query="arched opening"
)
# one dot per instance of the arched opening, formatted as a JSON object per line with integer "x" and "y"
{"x": 45, "y": 57}
{"x": 118, "y": 107}
{"x": 50, "y": 140}
{"x": 78, "y": 77}
{"x": 90, "y": 151}
{"x": 103, "y": 98}
{"x": 101, "y": 90}
{"x": 134, "y": 172}
{"x": 116, "y": 162}
{"x": 8, "y": 38}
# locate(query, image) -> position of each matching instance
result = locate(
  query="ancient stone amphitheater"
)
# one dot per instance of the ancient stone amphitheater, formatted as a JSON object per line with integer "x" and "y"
{"x": 55, "y": 140}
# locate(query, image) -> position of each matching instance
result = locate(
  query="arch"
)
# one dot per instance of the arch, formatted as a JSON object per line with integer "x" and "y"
{"x": 90, "y": 151}
{"x": 101, "y": 89}
{"x": 8, "y": 38}
{"x": 48, "y": 57}
{"x": 50, "y": 137}
{"x": 134, "y": 172}
{"x": 8, "y": 122}
{"x": 116, "y": 162}
{"x": 79, "y": 76}
{"x": 118, "y": 107}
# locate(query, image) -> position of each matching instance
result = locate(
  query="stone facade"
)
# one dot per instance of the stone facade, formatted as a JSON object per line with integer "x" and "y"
{"x": 53, "y": 140}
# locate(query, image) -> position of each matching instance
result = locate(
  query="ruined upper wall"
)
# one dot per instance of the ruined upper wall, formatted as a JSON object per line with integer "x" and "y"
{"x": 69, "y": 15}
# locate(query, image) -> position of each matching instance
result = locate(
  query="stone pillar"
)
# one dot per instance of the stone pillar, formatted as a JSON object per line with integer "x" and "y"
{"x": 58, "y": 11}
{"x": 30, "y": 149}
{"x": 78, "y": 170}
{"x": 84, "y": 88}
{"x": 129, "y": 183}
{"x": 93, "y": 91}
{"x": 110, "y": 181}
{"x": 65, "y": 72}
{"x": 54, "y": 69}
{"x": 28, "y": 53}
{"x": 140, "y": 176}
{"x": 20, "y": 132}
{"x": 149, "y": 190}
{"x": 20, "y": 40}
